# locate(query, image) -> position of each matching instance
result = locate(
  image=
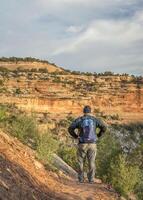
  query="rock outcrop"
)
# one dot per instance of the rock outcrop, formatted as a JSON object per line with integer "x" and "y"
{"x": 60, "y": 93}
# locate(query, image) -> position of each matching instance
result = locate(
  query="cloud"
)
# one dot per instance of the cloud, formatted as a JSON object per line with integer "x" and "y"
{"x": 82, "y": 35}
{"x": 74, "y": 29}
{"x": 119, "y": 33}
{"x": 89, "y": 3}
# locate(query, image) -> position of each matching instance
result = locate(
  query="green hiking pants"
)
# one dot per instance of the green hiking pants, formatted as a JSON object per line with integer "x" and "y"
{"x": 88, "y": 151}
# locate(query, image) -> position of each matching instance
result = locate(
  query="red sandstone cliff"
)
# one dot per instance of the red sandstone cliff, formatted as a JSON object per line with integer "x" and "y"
{"x": 59, "y": 93}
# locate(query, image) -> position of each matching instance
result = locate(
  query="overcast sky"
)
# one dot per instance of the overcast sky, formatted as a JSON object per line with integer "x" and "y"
{"x": 85, "y": 35}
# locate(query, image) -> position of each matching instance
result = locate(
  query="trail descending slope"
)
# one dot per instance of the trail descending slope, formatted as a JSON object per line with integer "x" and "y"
{"x": 22, "y": 177}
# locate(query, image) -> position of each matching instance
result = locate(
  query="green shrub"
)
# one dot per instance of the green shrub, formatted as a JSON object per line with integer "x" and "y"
{"x": 69, "y": 155}
{"x": 120, "y": 170}
{"x": 24, "y": 128}
{"x": 17, "y": 91}
{"x": 1, "y": 82}
{"x": 63, "y": 123}
{"x": 115, "y": 117}
{"x": 57, "y": 79}
{"x": 3, "y": 90}
{"x": 107, "y": 150}
{"x": 46, "y": 146}
{"x": 3, "y": 115}
{"x": 33, "y": 70}
{"x": 124, "y": 177}
{"x": 43, "y": 70}
{"x": 133, "y": 126}
{"x": 3, "y": 69}
{"x": 70, "y": 118}
{"x": 136, "y": 157}
{"x": 139, "y": 187}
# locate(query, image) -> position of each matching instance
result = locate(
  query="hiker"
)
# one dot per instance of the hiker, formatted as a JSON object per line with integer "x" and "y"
{"x": 84, "y": 129}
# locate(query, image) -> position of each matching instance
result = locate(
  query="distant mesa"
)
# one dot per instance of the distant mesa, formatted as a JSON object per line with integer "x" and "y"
{"x": 28, "y": 63}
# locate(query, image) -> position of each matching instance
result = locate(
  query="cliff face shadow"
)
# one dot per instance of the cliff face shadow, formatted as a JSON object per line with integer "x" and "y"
{"x": 17, "y": 184}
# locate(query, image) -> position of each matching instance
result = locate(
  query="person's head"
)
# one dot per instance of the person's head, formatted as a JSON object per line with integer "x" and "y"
{"x": 87, "y": 109}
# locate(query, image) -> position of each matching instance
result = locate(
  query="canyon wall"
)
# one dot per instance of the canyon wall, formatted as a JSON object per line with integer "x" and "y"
{"x": 67, "y": 94}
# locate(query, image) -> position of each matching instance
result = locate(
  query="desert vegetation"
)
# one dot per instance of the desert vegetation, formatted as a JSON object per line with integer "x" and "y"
{"x": 17, "y": 59}
{"x": 116, "y": 165}
{"x": 64, "y": 71}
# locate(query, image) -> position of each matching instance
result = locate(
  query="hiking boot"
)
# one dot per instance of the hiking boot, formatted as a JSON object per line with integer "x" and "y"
{"x": 91, "y": 181}
{"x": 81, "y": 180}
{"x": 96, "y": 180}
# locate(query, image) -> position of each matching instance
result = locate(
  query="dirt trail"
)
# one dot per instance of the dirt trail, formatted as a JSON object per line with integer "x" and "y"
{"x": 22, "y": 177}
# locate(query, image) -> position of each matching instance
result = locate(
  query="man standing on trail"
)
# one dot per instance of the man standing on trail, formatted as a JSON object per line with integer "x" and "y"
{"x": 86, "y": 126}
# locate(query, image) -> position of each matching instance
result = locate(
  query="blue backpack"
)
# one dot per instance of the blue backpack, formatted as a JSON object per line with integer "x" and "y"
{"x": 88, "y": 129}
